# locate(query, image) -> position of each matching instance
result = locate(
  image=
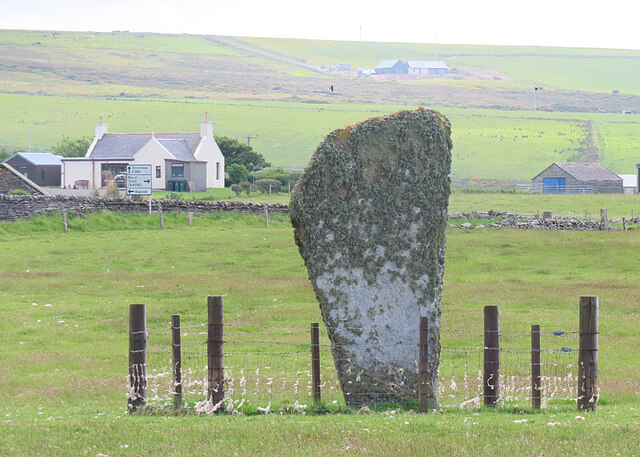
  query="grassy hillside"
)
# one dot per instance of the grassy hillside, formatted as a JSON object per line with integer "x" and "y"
{"x": 63, "y": 316}
{"x": 487, "y": 143}
{"x": 591, "y": 70}
{"x": 60, "y": 83}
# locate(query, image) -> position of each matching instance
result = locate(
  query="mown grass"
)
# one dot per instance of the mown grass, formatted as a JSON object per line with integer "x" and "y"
{"x": 62, "y": 385}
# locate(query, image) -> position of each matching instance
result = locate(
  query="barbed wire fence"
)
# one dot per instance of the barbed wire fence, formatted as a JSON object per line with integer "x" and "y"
{"x": 285, "y": 368}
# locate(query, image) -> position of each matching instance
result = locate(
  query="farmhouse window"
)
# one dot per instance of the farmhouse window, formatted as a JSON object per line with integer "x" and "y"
{"x": 158, "y": 171}
{"x": 177, "y": 170}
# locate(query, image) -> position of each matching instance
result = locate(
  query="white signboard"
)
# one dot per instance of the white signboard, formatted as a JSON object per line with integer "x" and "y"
{"x": 139, "y": 179}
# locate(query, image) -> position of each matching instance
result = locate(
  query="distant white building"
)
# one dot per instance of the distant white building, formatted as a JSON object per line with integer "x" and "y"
{"x": 630, "y": 183}
{"x": 427, "y": 67}
{"x": 179, "y": 161}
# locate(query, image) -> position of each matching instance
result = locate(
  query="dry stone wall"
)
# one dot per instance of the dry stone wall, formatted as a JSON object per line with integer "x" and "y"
{"x": 14, "y": 207}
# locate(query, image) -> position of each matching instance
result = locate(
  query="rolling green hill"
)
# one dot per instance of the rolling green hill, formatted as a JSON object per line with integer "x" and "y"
{"x": 59, "y": 83}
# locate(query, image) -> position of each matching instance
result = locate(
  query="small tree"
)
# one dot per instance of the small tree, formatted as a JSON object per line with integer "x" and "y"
{"x": 72, "y": 148}
{"x": 236, "y": 152}
{"x": 237, "y": 173}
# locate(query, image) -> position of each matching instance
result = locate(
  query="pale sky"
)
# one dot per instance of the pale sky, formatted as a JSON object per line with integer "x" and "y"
{"x": 572, "y": 23}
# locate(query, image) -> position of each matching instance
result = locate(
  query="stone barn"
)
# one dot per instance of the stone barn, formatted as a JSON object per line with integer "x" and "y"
{"x": 577, "y": 178}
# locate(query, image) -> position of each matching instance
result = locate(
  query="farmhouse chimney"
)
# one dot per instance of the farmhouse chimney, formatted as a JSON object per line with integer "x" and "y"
{"x": 206, "y": 127}
{"x": 101, "y": 129}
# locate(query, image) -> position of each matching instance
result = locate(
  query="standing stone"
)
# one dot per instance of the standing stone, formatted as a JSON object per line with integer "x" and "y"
{"x": 369, "y": 213}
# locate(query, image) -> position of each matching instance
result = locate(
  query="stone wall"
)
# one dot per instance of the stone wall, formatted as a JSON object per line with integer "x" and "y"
{"x": 14, "y": 207}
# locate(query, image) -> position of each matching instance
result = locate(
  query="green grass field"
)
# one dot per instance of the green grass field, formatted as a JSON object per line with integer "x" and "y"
{"x": 63, "y": 316}
{"x": 617, "y": 205}
{"x": 487, "y": 143}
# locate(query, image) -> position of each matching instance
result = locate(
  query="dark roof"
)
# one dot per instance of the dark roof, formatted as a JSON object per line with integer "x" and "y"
{"x": 589, "y": 171}
{"x": 178, "y": 149}
{"x": 38, "y": 158}
{"x": 126, "y": 145}
{"x": 426, "y": 64}
{"x": 586, "y": 171}
{"x": 388, "y": 63}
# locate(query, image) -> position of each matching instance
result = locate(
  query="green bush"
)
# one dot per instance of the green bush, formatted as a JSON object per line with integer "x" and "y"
{"x": 285, "y": 177}
{"x": 246, "y": 187}
{"x": 263, "y": 185}
{"x": 236, "y": 188}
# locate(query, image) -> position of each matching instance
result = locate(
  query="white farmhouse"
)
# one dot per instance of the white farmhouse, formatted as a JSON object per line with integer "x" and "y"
{"x": 427, "y": 67}
{"x": 179, "y": 161}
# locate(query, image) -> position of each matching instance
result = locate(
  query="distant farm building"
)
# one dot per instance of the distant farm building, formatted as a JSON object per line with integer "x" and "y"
{"x": 42, "y": 168}
{"x": 630, "y": 183}
{"x": 392, "y": 67}
{"x": 11, "y": 180}
{"x": 342, "y": 67}
{"x": 577, "y": 178}
{"x": 179, "y": 161}
{"x": 427, "y": 67}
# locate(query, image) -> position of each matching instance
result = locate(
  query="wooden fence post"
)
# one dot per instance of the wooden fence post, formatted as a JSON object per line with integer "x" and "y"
{"x": 190, "y": 217}
{"x": 588, "y": 355}
{"x": 535, "y": 367}
{"x": 266, "y": 215}
{"x": 315, "y": 362}
{"x": 426, "y": 397}
{"x": 491, "y": 355}
{"x": 160, "y": 215}
{"x": 64, "y": 219}
{"x": 215, "y": 351}
{"x": 137, "y": 357}
{"x": 176, "y": 350}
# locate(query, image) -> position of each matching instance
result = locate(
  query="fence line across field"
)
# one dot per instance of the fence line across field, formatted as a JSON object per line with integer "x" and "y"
{"x": 265, "y": 365}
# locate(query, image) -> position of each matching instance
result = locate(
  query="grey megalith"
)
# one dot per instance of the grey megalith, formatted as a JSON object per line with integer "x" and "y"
{"x": 369, "y": 214}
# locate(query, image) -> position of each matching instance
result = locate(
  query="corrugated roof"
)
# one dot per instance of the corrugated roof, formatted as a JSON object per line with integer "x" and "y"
{"x": 388, "y": 63}
{"x": 38, "y": 158}
{"x": 126, "y": 145}
{"x": 178, "y": 149}
{"x": 589, "y": 171}
{"x": 426, "y": 64}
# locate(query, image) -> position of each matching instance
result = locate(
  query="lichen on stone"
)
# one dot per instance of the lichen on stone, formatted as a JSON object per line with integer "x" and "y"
{"x": 369, "y": 214}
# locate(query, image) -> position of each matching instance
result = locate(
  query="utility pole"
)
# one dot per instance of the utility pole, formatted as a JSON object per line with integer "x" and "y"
{"x": 249, "y": 138}
{"x": 535, "y": 91}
